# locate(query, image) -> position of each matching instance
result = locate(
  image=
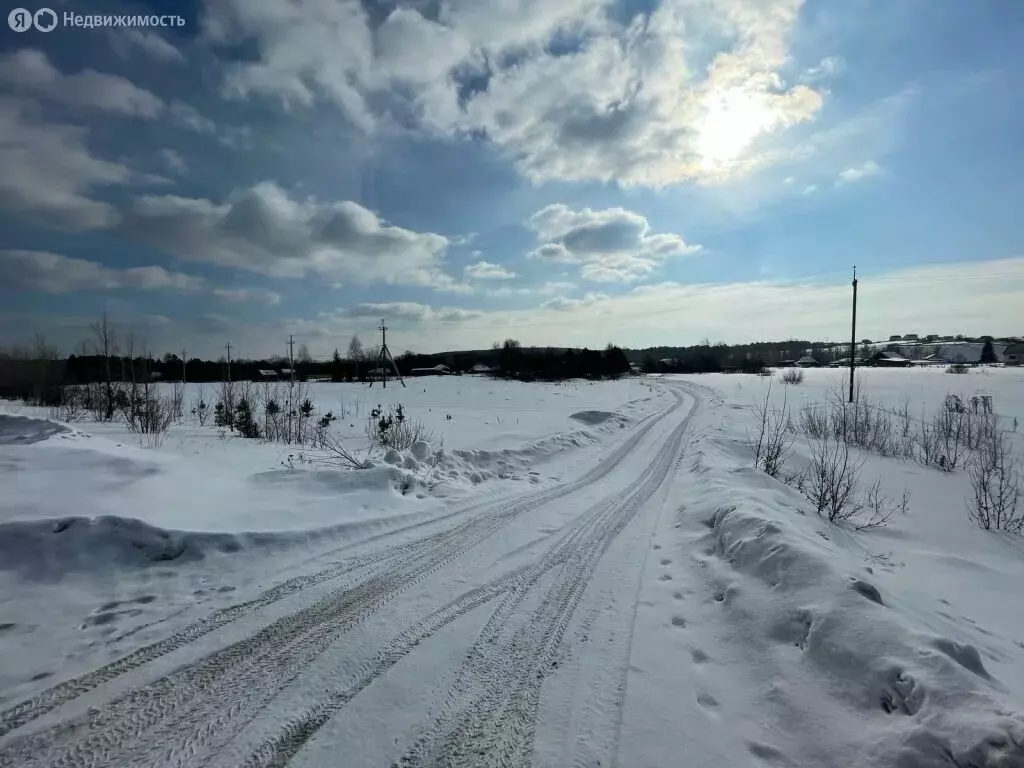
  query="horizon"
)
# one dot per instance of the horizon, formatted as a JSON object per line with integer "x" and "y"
{"x": 639, "y": 172}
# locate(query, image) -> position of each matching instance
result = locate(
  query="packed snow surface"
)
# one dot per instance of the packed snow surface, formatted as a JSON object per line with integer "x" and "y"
{"x": 584, "y": 574}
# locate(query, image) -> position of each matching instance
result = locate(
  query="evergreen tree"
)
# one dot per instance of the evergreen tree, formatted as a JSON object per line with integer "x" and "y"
{"x": 988, "y": 354}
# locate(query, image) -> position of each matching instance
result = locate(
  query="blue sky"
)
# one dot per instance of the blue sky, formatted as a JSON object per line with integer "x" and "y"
{"x": 643, "y": 172}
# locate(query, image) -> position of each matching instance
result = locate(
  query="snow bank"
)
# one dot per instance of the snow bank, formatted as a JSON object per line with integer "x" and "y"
{"x": 810, "y": 600}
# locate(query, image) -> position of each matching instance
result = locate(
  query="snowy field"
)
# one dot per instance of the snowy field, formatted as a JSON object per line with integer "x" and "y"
{"x": 601, "y": 579}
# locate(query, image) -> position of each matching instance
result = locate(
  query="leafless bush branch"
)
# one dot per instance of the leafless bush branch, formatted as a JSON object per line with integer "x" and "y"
{"x": 995, "y": 479}
{"x": 793, "y": 376}
{"x": 772, "y": 441}
{"x": 832, "y": 480}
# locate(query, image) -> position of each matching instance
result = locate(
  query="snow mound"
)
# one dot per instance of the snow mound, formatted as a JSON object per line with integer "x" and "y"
{"x": 798, "y": 589}
{"x": 22, "y": 430}
{"x": 48, "y": 550}
{"x": 593, "y": 418}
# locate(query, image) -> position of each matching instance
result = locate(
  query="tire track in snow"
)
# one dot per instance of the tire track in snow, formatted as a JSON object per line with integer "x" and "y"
{"x": 491, "y": 710}
{"x": 96, "y": 738}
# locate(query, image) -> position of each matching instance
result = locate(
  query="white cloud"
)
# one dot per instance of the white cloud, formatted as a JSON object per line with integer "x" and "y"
{"x": 263, "y": 229}
{"x": 29, "y": 71}
{"x": 971, "y": 297}
{"x": 256, "y": 295}
{"x": 857, "y": 173}
{"x": 148, "y": 42}
{"x": 484, "y": 270}
{"x": 625, "y": 104}
{"x": 408, "y": 310}
{"x": 828, "y": 68}
{"x": 48, "y": 170}
{"x": 54, "y": 273}
{"x": 173, "y": 160}
{"x": 810, "y": 189}
{"x": 613, "y": 245}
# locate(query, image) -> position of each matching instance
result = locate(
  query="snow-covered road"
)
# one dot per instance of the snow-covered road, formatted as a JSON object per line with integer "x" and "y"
{"x": 498, "y": 634}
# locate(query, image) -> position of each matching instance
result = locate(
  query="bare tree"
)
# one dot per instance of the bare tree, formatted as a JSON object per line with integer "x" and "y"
{"x": 105, "y": 344}
{"x": 355, "y": 349}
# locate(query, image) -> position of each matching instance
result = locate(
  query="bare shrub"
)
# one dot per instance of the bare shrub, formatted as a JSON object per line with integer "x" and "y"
{"x": 995, "y": 479}
{"x": 959, "y": 368}
{"x": 772, "y": 441}
{"x": 70, "y": 405}
{"x": 334, "y": 453}
{"x": 200, "y": 408}
{"x": 391, "y": 428}
{"x": 832, "y": 484}
{"x": 178, "y": 400}
{"x": 876, "y": 509}
{"x": 815, "y": 421}
{"x": 793, "y": 376}
{"x": 832, "y": 480}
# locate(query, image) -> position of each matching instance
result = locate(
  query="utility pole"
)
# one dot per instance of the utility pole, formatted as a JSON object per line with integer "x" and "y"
{"x": 385, "y": 357}
{"x": 853, "y": 334}
{"x": 184, "y": 377}
{"x": 228, "y": 348}
{"x": 291, "y": 358}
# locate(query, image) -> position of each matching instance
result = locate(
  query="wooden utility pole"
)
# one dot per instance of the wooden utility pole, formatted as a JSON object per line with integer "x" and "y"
{"x": 384, "y": 358}
{"x": 184, "y": 377}
{"x": 228, "y": 348}
{"x": 853, "y": 334}
{"x": 291, "y": 358}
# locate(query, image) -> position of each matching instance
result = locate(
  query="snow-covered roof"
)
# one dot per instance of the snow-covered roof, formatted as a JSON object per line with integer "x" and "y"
{"x": 264, "y": 372}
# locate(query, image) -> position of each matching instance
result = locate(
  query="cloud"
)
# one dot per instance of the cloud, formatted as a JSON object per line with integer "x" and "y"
{"x": 262, "y": 229}
{"x": 857, "y": 173}
{"x": 48, "y": 170}
{"x": 613, "y": 245}
{"x": 810, "y": 189}
{"x": 54, "y": 273}
{"x": 484, "y": 270}
{"x": 565, "y": 89}
{"x": 148, "y": 42}
{"x": 189, "y": 117}
{"x": 29, "y": 71}
{"x": 829, "y": 67}
{"x": 411, "y": 311}
{"x": 256, "y": 295}
{"x": 174, "y": 161}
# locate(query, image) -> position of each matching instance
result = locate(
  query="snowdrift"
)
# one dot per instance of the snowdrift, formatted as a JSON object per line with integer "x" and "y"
{"x": 46, "y": 550}
{"x": 805, "y": 602}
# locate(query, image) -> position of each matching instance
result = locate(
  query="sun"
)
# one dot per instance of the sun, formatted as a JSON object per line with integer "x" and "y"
{"x": 732, "y": 120}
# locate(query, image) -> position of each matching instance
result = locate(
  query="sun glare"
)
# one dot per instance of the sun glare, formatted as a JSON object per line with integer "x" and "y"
{"x": 732, "y": 120}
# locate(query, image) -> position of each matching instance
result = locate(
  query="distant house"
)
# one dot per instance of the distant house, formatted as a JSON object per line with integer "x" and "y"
{"x": 481, "y": 368}
{"x": 268, "y": 375}
{"x": 889, "y": 360}
{"x": 437, "y": 370}
{"x": 1014, "y": 354}
{"x": 807, "y": 362}
{"x": 910, "y": 337}
{"x": 897, "y": 337}
{"x": 286, "y": 373}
